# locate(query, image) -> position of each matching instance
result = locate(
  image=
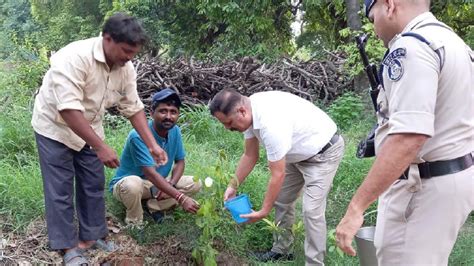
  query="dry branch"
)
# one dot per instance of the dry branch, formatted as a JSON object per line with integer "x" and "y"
{"x": 197, "y": 82}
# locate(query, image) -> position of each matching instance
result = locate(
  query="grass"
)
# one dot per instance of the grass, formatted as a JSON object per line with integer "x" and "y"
{"x": 21, "y": 194}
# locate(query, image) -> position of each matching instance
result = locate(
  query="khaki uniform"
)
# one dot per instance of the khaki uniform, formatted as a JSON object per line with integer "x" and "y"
{"x": 428, "y": 90}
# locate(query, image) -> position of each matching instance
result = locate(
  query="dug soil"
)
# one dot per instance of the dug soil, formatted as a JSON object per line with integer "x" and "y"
{"x": 31, "y": 248}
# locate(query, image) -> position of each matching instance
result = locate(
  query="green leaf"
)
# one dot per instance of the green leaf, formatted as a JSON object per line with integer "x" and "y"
{"x": 331, "y": 248}
{"x": 340, "y": 252}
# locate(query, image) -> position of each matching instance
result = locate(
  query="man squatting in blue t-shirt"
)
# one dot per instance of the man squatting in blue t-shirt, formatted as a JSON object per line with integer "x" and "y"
{"x": 139, "y": 178}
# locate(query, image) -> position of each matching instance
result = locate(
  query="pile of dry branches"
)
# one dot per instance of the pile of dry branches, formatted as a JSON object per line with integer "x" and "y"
{"x": 197, "y": 82}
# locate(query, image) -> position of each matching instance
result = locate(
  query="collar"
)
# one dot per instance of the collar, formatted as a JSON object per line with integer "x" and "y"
{"x": 417, "y": 20}
{"x": 255, "y": 121}
{"x": 412, "y": 24}
{"x": 98, "y": 51}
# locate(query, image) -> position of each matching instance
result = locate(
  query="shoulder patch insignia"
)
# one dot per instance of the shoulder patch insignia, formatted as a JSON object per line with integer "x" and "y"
{"x": 394, "y": 64}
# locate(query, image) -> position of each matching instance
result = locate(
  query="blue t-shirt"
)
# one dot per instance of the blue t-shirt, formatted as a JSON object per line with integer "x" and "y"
{"x": 136, "y": 155}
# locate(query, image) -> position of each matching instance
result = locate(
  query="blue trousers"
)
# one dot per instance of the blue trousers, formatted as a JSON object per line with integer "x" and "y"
{"x": 68, "y": 173}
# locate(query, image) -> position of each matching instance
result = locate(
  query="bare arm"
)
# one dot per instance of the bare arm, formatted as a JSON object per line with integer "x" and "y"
{"x": 77, "y": 122}
{"x": 140, "y": 124}
{"x": 277, "y": 170}
{"x": 396, "y": 154}
{"x": 178, "y": 170}
{"x": 248, "y": 159}
{"x": 246, "y": 164}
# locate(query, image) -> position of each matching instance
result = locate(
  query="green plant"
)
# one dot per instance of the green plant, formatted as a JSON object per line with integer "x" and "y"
{"x": 332, "y": 243}
{"x": 31, "y": 72}
{"x": 374, "y": 48}
{"x": 297, "y": 231}
{"x": 21, "y": 193}
{"x": 211, "y": 211}
{"x": 272, "y": 227}
{"x": 198, "y": 126}
{"x": 345, "y": 109}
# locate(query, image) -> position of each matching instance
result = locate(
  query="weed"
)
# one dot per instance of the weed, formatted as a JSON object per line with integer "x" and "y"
{"x": 346, "y": 109}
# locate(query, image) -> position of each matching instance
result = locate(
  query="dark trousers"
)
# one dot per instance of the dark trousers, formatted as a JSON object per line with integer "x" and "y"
{"x": 66, "y": 173}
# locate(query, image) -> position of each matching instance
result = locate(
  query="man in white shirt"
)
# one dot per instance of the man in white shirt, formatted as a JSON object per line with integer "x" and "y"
{"x": 304, "y": 152}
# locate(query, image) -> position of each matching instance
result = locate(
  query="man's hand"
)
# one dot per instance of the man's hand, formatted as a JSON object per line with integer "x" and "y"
{"x": 159, "y": 155}
{"x": 229, "y": 193}
{"x": 395, "y": 155}
{"x": 108, "y": 156}
{"x": 77, "y": 122}
{"x": 346, "y": 230}
{"x": 190, "y": 205}
{"x": 254, "y": 216}
{"x": 171, "y": 183}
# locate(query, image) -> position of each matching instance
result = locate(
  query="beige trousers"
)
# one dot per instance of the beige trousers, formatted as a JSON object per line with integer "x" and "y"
{"x": 131, "y": 190}
{"x": 314, "y": 178}
{"x": 418, "y": 220}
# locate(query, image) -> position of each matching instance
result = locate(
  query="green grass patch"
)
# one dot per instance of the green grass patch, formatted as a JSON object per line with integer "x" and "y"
{"x": 21, "y": 193}
{"x": 21, "y": 190}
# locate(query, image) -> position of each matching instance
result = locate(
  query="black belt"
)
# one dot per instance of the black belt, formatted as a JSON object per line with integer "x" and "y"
{"x": 439, "y": 168}
{"x": 331, "y": 142}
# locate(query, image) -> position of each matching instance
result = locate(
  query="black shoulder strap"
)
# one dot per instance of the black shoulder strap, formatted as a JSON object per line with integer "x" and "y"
{"x": 381, "y": 68}
{"x": 420, "y": 38}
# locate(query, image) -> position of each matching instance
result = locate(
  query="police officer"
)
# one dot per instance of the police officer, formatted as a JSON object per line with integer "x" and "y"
{"x": 422, "y": 173}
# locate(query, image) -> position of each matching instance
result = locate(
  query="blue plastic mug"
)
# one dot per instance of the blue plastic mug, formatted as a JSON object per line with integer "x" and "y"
{"x": 239, "y": 205}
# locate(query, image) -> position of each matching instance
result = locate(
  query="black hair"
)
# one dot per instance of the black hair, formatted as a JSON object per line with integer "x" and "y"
{"x": 124, "y": 28}
{"x": 225, "y": 101}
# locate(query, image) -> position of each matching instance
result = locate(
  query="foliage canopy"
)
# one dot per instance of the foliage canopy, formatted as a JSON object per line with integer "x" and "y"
{"x": 208, "y": 29}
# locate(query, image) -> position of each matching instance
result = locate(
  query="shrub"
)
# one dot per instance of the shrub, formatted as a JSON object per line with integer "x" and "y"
{"x": 346, "y": 109}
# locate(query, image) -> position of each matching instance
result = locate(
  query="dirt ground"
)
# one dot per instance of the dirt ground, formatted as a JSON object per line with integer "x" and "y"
{"x": 31, "y": 248}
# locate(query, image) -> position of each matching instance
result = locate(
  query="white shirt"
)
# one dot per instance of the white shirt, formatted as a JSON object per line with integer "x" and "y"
{"x": 288, "y": 126}
{"x": 420, "y": 98}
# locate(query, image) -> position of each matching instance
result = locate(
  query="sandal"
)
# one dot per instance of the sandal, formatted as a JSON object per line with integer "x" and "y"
{"x": 75, "y": 257}
{"x": 108, "y": 246}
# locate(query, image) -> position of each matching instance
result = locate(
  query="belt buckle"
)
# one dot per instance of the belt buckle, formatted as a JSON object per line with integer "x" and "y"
{"x": 468, "y": 160}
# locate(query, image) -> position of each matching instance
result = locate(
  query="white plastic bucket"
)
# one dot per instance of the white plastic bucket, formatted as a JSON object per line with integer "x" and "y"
{"x": 365, "y": 246}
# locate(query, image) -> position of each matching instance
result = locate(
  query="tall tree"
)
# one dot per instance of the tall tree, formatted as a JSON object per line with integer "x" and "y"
{"x": 323, "y": 19}
{"x": 352, "y": 13}
{"x": 217, "y": 28}
{"x": 67, "y": 20}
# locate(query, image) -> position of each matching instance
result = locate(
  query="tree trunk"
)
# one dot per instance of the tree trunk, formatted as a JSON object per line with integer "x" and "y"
{"x": 353, "y": 19}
